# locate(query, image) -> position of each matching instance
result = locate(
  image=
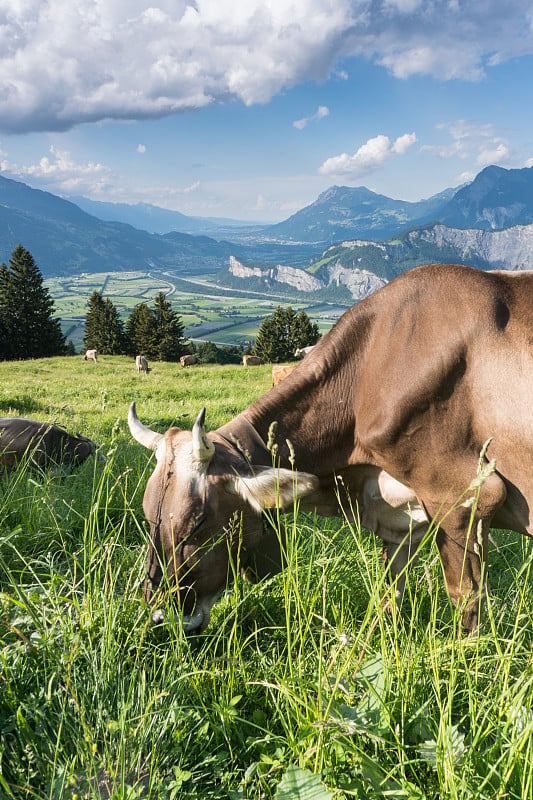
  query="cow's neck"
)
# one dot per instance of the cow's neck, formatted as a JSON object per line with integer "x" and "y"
{"x": 314, "y": 408}
{"x": 313, "y": 419}
{"x": 320, "y": 436}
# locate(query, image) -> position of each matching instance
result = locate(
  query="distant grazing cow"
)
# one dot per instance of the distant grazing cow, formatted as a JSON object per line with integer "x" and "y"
{"x": 251, "y": 361}
{"x": 280, "y": 371}
{"x": 142, "y": 364}
{"x": 41, "y": 443}
{"x": 91, "y": 355}
{"x": 416, "y": 406}
{"x": 301, "y": 352}
{"x": 187, "y": 361}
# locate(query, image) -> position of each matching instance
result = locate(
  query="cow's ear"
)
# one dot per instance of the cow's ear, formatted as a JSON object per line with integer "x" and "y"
{"x": 272, "y": 488}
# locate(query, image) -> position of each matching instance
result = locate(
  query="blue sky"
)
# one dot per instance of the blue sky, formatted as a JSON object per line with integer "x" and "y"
{"x": 248, "y": 110}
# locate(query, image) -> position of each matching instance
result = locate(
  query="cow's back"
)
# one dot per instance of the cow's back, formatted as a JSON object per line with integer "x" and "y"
{"x": 449, "y": 367}
{"x": 18, "y": 436}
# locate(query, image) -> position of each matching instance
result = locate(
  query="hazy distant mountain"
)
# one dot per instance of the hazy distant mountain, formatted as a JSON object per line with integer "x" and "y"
{"x": 497, "y": 198}
{"x": 342, "y": 212}
{"x": 64, "y": 240}
{"x": 154, "y": 219}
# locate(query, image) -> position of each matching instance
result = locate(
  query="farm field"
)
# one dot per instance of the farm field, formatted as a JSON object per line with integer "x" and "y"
{"x": 208, "y": 312}
{"x": 301, "y": 687}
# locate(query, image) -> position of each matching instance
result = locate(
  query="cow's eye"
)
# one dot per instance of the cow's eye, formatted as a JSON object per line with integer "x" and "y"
{"x": 199, "y": 522}
{"x": 196, "y": 526}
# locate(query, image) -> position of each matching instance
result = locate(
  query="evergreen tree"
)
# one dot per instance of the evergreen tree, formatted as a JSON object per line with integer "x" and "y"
{"x": 303, "y": 331}
{"x": 169, "y": 343}
{"x": 5, "y": 345}
{"x": 267, "y": 344}
{"x": 104, "y": 329}
{"x": 94, "y": 322}
{"x": 140, "y": 331}
{"x": 114, "y": 337}
{"x": 209, "y": 353}
{"x": 27, "y": 327}
{"x": 282, "y": 333}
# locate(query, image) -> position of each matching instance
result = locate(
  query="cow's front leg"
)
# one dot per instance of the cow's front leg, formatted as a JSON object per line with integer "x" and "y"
{"x": 464, "y": 558}
{"x": 398, "y": 558}
{"x": 462, "y": 539}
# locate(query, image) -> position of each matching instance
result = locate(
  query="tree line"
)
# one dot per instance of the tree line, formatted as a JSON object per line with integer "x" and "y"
{"x": 29, "y": 329}
{"x": 157, "y": 333}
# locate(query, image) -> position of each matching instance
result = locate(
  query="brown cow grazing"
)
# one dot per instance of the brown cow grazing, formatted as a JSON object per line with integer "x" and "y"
{"x": 251, "y": 361}
{"x": 396, "y": 406}
{"x": 41, "y": 443}
{"x": 280, "y": 372}
{"x": 142, "y": 365}
{"x": 188, "y": 361}
{"x": 91, "y": 355}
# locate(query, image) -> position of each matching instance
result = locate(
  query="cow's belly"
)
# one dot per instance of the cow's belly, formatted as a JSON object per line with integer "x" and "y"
{"x": 392, "y": 510}
{"x": 387, "y": 507}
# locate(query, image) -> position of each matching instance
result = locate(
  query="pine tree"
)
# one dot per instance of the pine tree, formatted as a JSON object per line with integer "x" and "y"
{"x": 104, "y": 329}
{"x": 267, "y": 343}
{"x": 114, "y": 339}
{"x": 140, "y": 331}
{"x": 5, "y": 344}
{"x": 282, "y": 333}
{"x": 94, "y": 322}
{"x": 169, "y": 343}
{"x": 5, "y": 350}
{"x": 27, "y": 326}
{"x": 303, "y": 331}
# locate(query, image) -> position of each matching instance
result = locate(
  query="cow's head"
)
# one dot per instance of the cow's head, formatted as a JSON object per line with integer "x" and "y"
{"x": 204, "y": 502}
{"x": 81, "y": 448}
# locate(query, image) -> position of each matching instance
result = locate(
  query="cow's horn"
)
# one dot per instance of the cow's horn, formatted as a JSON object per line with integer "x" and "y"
{"x": 202, "y": 447}
{"x": 140, "y": 432}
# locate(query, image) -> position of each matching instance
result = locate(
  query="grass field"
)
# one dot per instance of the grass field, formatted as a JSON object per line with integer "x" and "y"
{"x": 301, "y": 687}
{"x": 207, "y": 312}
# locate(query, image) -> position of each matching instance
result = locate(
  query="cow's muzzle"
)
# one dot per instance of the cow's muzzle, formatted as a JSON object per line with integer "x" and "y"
{"x": 190, "y": 624}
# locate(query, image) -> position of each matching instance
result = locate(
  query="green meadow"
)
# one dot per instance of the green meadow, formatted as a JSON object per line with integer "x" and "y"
{"x": 301, "y": 687}
{"x": 209, "y": 312}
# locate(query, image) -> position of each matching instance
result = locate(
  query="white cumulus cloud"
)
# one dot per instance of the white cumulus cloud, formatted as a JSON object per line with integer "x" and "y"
{"x": 320, "y": 113}
{"x": 193, "y": 187}
{"x": 468, "y": 141}
{"x": 64, "y": 63}
{"x": 498, "y": 154}
{"x": 60, "y": 173}
{"x": 369, "y": 157}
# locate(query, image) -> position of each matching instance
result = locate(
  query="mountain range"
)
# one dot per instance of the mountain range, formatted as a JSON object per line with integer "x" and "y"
{"x": 485, "y": 223}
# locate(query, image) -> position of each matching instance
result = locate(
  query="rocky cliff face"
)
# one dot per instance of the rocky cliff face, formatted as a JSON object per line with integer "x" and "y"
{"x": 511, "y": 248}
{"x": 356, "y": 263}
{"x": 297, "y": 278}
{"x": 360, "y": 282}
{"x": 241, "y": 271}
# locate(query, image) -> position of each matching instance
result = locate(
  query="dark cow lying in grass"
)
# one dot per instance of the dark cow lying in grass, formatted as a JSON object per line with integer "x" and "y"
{"x": 41, "y": 443}
{"x": 395, "y": 407}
